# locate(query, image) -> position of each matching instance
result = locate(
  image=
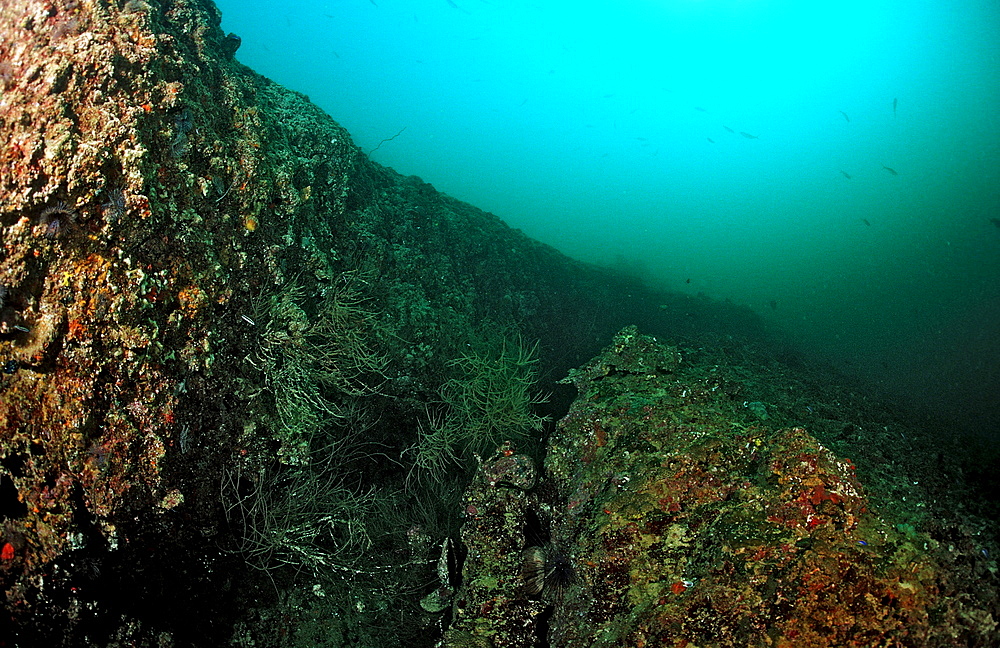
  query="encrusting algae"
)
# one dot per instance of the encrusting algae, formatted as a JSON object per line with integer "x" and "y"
{"x": 223, "y": 328}
{"x": 683, "y": 530}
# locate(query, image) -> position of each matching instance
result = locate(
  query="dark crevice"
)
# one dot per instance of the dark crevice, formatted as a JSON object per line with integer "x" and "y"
{"x": 543, "y": 626}
{"x": 11, "y": 507}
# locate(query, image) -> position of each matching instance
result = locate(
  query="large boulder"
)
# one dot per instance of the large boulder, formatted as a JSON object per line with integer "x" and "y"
{"x": 667, "y": 518}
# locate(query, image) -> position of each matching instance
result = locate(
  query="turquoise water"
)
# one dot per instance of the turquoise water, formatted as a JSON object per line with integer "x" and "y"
{"x": 612, "y": 131}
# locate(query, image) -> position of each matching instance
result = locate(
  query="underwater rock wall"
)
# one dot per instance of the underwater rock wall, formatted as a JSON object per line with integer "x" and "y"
{"x": 185, "y": 244}
{"x": 203, "y": 281}
{"x": 129, "y": 167}
{"x": 666, "y": 518}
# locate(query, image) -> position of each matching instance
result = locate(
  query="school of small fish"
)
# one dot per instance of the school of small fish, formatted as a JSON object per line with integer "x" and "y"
{"x": 895, "y": 103}
{"x": 847, "y": 119}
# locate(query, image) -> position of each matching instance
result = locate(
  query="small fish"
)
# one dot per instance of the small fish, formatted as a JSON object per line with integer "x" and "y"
{"x": 894, "y": 101}
{"x": 845, "y": 115}
{"x": 728, "y": 128}
{"x": 748, "y": 135}
{"x": 890, "y": 170}
{"x": 689, "y": 280}
{"x": 845, "y": 174}
{"x": 700, "y": 109}
{"x": 865, "y": 221}
{"x": 710, "y": 140}
{"x": 773, "y": 304}
{"x": 995, "y": 221}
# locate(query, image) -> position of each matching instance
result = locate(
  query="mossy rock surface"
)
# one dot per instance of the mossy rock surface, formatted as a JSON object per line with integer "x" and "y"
{"x": 686, "y": 527}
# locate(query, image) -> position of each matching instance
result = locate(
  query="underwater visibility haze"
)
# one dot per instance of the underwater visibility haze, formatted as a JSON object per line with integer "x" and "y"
{"x": 298, "y": 323}
{"x": 833, "y": 166}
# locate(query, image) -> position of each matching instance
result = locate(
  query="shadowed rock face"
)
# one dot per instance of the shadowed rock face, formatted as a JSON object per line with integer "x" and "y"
{"x": 143, "y": 186}
{"x": 176, "y": 229}
{"x": 686, "y": 526}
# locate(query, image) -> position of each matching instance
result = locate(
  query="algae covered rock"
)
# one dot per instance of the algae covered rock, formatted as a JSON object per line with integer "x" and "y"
{"x": 629, "y": 353}
{"x": 684, "y": 528}
{"x": 209, "y": 296}
{"x": 492, "y": 608}
{"x": 223, "y": 330}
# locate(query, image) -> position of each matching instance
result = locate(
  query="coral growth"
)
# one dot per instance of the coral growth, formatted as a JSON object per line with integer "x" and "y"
{"x": 489, "y": 398}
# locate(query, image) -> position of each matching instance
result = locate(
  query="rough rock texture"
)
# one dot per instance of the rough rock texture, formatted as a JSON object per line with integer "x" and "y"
{"x": 685, "y": 524}
{"x": 224, "y": 333}
{"x": 190, "y": 254}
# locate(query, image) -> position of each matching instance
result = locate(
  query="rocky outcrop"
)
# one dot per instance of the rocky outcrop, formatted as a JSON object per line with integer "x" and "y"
{"x": 200, "y": 272}
{"x": 233, "y": 351}
{"x": 667, "y": 518}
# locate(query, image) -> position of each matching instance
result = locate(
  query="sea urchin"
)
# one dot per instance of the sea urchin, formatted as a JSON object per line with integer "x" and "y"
{"x": 546, "y": 572}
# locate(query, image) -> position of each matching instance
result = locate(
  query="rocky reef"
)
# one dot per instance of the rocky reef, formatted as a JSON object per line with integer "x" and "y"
{"x": 203, "y": 282}
{"x": 246, "y": 374}
{"x": 665, "y": 519}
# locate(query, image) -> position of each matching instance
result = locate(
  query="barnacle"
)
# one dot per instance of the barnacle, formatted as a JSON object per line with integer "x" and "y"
{"x": 136, "y": 6}
{"x": 114, "y": 209}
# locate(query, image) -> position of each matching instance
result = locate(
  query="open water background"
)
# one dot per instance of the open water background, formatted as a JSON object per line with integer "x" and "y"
{"x": 612, "y": 131}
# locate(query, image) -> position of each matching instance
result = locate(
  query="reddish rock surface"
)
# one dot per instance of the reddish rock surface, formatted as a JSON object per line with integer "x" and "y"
{"x": 686, "y": 526}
